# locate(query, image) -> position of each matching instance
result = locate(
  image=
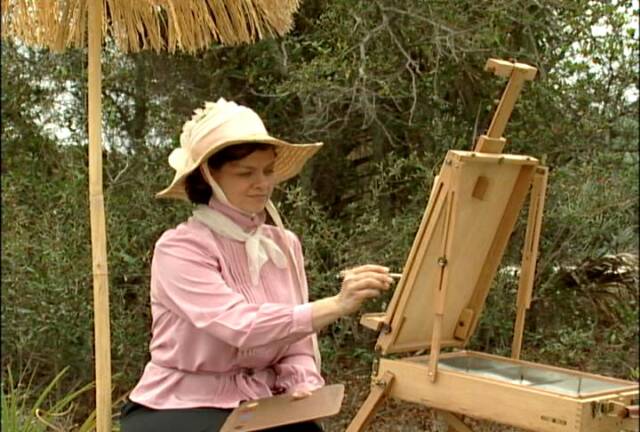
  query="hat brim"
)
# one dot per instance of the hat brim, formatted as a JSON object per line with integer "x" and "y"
{"x": 290, "y": 160}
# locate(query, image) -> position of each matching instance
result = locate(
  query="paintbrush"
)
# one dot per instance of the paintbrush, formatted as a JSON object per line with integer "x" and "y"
{"x": 395, "y": 276}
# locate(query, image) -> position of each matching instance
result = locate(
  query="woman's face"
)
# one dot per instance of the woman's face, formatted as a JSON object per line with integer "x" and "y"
{"x": 248, "y": 182}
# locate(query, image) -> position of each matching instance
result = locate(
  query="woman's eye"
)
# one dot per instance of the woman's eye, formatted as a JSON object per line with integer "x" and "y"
{"x": 244, "y": 174}
{"x": 269, "y": 172}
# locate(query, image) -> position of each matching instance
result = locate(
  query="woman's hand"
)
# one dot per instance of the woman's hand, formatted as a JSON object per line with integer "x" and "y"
{"x": 361, "y": 283}
{"x": 358, "y": 284}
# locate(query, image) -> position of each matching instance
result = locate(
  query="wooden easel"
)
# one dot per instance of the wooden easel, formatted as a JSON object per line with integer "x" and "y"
{"x": 471, "y": 213}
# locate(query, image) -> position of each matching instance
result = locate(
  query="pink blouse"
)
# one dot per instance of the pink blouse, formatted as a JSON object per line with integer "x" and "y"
{"x": 216, "y": 339}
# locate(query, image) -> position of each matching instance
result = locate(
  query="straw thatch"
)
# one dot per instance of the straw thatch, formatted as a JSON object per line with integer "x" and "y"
{"x": 187, "y": 25}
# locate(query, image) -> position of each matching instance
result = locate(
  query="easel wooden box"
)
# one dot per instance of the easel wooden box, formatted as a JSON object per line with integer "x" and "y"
{"x": 472, "y": 210}
{"x": 508, "y": 401}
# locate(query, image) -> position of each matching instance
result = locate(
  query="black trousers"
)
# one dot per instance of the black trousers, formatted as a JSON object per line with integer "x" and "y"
{"x": 138, "y": 418}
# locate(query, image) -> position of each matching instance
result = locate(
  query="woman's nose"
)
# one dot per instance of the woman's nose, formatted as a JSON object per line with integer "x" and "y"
{"x": 264, "y": 180}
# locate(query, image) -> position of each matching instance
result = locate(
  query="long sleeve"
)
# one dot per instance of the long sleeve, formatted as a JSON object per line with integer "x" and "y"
{"x": 297, "y": 369}
{"x": 190, "y": 284}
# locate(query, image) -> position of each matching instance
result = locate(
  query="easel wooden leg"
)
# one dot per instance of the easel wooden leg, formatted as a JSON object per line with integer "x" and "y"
{"x": 454, "y": 423}
{"x": 377, "y": 395}
{"x": 529, "y": 256}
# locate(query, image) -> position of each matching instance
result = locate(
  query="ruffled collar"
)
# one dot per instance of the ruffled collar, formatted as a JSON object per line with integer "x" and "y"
{"x": 243, "y": 219}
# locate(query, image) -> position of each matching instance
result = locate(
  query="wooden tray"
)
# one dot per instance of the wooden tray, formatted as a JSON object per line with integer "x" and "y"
{"x": 528, "y": 395}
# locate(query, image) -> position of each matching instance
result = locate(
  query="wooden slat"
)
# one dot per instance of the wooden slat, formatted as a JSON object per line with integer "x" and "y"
{"x": 507, "y": 159}
{"x": 487, "y": 144}
{"x": 443, "y": 285}
{"x": 529, "y": 256}
{"x": 455, "y": 424}
{"x": 414, "y": 346}
{"x": 504, "y": 68}
{"x": 373, "y": 321}
{"x": 379, "y": 390}
{"x": 432, "y": 214}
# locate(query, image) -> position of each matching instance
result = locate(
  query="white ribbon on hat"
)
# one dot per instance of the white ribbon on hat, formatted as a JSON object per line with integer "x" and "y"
{"x": 217, "y": 190}
{"x": 259, "y": 248}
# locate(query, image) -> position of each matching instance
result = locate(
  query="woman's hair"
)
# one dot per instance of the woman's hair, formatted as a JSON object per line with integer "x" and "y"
{"x": 198, "y": 190}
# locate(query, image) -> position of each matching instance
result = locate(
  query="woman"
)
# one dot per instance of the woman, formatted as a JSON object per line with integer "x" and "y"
{"x": 231, "y": 318}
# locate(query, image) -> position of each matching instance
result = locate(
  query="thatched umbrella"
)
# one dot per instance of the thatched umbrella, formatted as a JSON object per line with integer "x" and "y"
{"x": 187, "y": 25}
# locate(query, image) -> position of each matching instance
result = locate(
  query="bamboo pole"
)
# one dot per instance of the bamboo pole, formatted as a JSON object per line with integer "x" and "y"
{"x": 98, "y": 230}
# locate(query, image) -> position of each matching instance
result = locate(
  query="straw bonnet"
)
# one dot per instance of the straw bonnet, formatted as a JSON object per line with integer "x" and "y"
{"x": 222, "y": 124}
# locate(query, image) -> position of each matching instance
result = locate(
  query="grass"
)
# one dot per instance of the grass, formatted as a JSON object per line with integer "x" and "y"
{"x": 29, "y": 409}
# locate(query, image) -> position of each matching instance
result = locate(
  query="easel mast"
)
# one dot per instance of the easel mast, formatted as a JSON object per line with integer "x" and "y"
{"x": 518, "y": 73}
{"x": 492, "y": 143}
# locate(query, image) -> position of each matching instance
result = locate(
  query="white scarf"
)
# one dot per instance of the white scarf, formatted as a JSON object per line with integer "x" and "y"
{"x": 259, "y": 248}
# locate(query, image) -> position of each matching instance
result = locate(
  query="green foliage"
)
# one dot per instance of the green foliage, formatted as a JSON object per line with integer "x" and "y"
{"x": 590, "y": 212}
{"x": 47, "y": 282}
{"x": 598, "y": 193}
{"x": 21, "y": 413}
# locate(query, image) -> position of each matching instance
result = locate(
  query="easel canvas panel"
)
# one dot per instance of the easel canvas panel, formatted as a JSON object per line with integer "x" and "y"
{"x": 464, "y": 213}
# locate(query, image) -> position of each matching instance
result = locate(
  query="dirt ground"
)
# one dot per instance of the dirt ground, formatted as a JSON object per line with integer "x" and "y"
{"x": 393, "y": 415}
